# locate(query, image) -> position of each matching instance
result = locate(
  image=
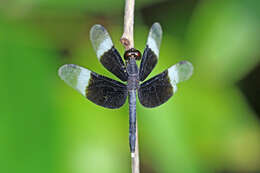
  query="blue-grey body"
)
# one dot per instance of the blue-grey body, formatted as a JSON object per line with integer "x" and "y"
{"x": 132, "y": 86}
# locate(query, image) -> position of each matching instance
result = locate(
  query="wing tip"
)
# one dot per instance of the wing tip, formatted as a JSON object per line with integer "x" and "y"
{"x": 61, "y": 70}
{"x": 100, "y": 39}
{"x": 64, "y": 68}
{"x": 156, "y": 28}
{"x": 157, "y": 25}
{"x": 189, "y": 67}
{"x": 95, "y": 27}
{"x": 95, "y": 32}
{"x": 181, "y": 71}
{"x": 155, "y": 38}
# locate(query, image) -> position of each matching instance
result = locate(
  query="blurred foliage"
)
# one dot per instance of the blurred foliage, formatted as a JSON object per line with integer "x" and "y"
{"x": 208, "y": 126}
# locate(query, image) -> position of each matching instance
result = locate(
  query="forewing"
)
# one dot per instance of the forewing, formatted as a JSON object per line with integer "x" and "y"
{"x": 160, "y": 88}
{"x": 106, "y": 53}
{"x": 99, "y": 89}
{"x": 151, "y": 52}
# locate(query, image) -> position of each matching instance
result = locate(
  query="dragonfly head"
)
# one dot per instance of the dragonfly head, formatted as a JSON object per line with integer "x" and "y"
{"x": 132, "y": 53}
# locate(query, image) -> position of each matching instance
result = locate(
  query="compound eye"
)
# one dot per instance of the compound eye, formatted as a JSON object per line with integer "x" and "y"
{"x": 137, "y": 55}
{"x": 127, "y": 55}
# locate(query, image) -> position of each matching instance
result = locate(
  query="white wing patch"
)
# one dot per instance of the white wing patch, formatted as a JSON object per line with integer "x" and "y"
{"x": 180, "y": 72}
{"x": 83, "y": 80}
{"x": 174, "y": 77}
{"x": 75, "y": 76}
{"x": 155, "y": 38}
{"x": 104, "y": 47}
{"x": 100, "y": 40}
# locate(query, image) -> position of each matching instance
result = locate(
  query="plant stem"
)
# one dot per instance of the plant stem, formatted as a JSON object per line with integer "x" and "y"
{"x": 127, "y": 41}
{"x": 127, "y": 38}
{"x": 135, "y": 159}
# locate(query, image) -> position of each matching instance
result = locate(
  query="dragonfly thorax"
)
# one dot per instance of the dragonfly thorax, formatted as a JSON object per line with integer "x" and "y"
{"x": 133, "y": 75}
{"x": 131, "y": 67}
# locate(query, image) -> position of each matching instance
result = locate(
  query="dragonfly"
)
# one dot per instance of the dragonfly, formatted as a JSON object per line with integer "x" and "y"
{"x": 112, "y": 94}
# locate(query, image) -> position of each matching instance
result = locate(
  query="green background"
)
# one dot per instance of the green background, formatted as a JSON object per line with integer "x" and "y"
{"x": 207, "y": 127}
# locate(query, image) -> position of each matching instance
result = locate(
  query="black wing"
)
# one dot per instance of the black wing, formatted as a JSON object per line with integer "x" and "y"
{"x": 151, "y": 52}
{"x": 106, "y": 53}
{"x": 156, "y": 90}
{"x": 99, "y": 89}
{"x": 161, "y": 87}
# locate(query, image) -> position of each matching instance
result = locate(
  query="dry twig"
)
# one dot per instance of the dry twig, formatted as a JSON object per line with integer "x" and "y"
{"x": 127, "y": 40}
